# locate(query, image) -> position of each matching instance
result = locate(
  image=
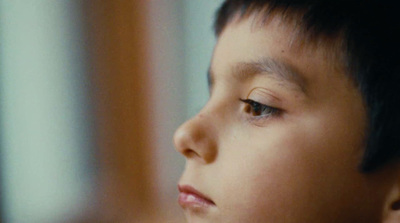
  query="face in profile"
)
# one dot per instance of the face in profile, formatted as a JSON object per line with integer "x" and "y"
{"x": 280, "y": 139}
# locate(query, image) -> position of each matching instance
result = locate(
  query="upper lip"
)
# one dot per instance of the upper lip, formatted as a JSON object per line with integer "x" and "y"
{"x": 191, "y": 190}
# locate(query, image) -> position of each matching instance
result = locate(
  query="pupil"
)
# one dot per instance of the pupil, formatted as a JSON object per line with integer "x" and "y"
{"x": 257, "y": 108}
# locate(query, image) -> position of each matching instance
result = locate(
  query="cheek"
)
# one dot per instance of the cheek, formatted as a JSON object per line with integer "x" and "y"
{"x": 265, "y": 176}
{"x": 292, "y": 170}
{"x": 255, "y": 188}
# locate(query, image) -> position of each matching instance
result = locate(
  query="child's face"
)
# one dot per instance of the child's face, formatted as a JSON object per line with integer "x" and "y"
{"x": 296, "y": 162}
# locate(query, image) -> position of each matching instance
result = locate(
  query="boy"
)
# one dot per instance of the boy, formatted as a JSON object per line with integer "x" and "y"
{"x": 301, "y": 124}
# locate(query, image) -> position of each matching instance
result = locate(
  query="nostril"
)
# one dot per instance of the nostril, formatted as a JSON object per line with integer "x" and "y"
{"x": 189, "y": 153}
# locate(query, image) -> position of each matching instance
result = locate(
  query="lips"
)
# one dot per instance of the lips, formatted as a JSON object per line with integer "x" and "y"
{"x": 191, "y": 198}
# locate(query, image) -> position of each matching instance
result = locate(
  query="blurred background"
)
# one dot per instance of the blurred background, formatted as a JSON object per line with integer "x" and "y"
{"x": 91, "y": 93}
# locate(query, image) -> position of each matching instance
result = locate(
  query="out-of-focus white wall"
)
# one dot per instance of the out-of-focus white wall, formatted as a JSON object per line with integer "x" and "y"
{"x": 44, "y": 127}
{"x": 182, "y": 43}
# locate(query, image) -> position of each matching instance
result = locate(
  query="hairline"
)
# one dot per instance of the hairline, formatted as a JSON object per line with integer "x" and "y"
{"x": 333, "y": 46}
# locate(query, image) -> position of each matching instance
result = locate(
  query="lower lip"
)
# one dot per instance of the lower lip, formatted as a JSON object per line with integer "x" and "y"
{"x": 189, "y": 200}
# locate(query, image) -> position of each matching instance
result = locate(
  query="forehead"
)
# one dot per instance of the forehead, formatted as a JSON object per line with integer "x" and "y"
{"x": 248, "y": 41}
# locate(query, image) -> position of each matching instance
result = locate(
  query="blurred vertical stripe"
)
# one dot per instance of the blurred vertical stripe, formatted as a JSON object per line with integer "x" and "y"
{"x": 118, "y": 33}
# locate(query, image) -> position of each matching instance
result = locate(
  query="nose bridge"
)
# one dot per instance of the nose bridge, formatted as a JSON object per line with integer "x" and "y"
{"x": 197, "y": 137}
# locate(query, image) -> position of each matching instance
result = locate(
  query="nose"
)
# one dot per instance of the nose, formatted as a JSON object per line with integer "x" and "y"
{"x": 197, "y": 138}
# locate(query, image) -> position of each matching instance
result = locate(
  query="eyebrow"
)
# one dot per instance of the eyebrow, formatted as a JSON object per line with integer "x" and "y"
{"x": 283, "y": 72}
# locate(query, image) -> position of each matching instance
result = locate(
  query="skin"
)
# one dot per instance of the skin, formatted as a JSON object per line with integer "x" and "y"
{"x": 295, "y": 163}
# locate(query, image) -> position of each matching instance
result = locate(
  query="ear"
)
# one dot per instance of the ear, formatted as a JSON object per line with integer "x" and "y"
{"x": 392, "y": 206}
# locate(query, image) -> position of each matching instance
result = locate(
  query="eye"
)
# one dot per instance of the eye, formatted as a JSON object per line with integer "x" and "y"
{"x": 257, "y": 109}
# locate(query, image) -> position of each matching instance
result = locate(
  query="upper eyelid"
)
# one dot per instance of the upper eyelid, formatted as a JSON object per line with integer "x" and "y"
{"x": 249, "y": 101}
{"x": 266, "y": 97}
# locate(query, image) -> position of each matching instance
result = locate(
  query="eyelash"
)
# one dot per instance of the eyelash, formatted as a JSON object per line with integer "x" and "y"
{"x": 259, "y": 110}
